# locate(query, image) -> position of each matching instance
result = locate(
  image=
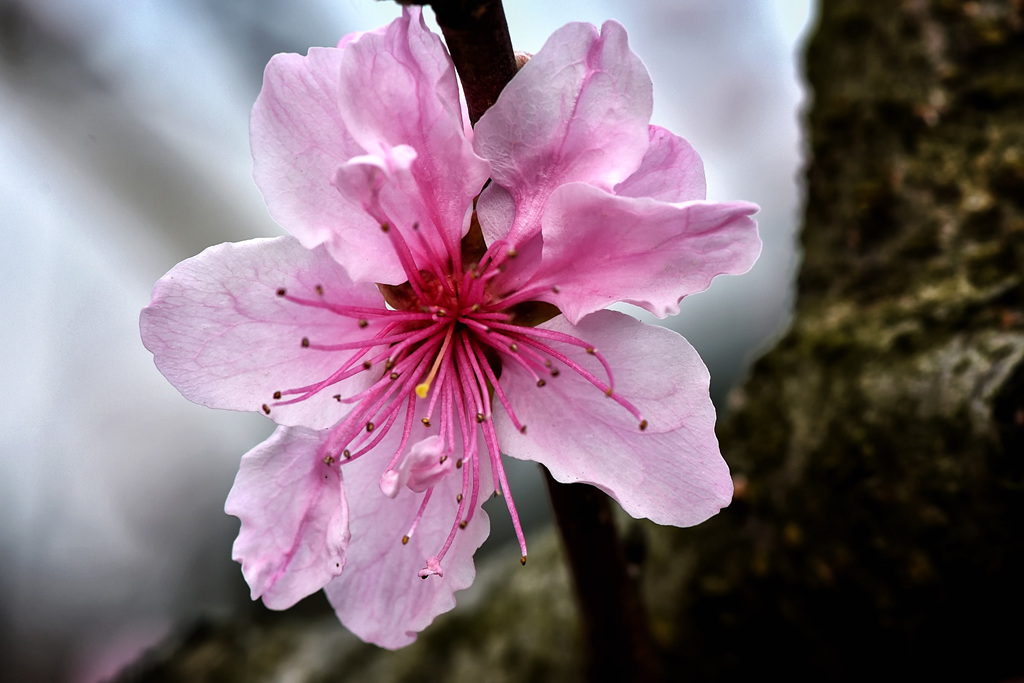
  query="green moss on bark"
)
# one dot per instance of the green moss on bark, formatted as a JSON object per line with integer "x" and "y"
{"x": 877, "y": 527}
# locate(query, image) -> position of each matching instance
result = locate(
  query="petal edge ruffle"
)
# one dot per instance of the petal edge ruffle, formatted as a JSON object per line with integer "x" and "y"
{"x": 672, "y": 472}
{"x": 294, "y": 518}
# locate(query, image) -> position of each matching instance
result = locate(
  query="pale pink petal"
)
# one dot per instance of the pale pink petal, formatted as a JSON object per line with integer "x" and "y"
{"x": 299, "y": 140}
{"x": 600, "y": 249}
{"x": 380, "y": 596}
{"x": 578, "y": 111}
{"x": 398, "y": 88}
{"x": 671, "y": 472}
{"x": 294, "y": 518}
{"x": 384, "y": 187}
{"x": 221, "y": 334}
{"x": 423, "y": 466}
{"x": 427, "y": 463}
{"x": 671, "y": 171}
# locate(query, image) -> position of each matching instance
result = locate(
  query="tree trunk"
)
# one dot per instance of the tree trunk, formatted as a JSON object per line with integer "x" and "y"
{"x": 879, "y": 448}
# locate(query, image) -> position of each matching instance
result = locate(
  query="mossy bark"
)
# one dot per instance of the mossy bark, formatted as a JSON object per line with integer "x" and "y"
{"x": 878, "y": 448}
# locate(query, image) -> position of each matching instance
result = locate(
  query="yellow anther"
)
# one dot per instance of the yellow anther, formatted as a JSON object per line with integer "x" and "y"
{"x": 423, "y": 387}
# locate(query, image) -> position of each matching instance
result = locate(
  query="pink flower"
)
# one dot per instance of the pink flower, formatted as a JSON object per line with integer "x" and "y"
{"x": 394, "y": 337}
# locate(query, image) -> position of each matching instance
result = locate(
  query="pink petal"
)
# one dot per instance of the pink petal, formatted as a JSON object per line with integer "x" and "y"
{"x": 600, "y": 249}
{"x": 671, "y": 472}
{"x": 398, "y": 88}
{"x": 380, "y": 596}
{"x": 223, "y": 337}
{"x": 423, "y": 466}
{"x": 578, "y": 111}
{"x": 294, "y": 518}
{"x": 671, "y": 171}
{"x": 299, "y": 140}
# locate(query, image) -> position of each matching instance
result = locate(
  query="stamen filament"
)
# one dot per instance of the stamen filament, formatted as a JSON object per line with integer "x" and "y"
{"x": 491, "y": 439}
{"x": 423, "y": 387}
{"x": 419, "y": 516}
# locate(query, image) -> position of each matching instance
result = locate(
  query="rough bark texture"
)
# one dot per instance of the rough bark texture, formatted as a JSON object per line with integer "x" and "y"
{"x": 878, "y": 449}
{"x": 879, "y": 446}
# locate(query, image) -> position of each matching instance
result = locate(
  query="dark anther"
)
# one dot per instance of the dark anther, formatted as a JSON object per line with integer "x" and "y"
{"x": 305, "y": 342}
{"x": 347, "y": 453}
{"x": 337, "y": 397}
{"x": 266, "y": 409}
{"x": 554, "y": 372}
{"x": 281, "y": 291}
{"x": 522, "y": 430}
{"x": 384, "y": 227}
{"x": 541, "y": 383}
{"x": 277, "y": 394}
{"x": 522, "y": 560}
{"x": 480, "y": 418}
{"x": 458, "y": 498}
{"x": 643, "y": 425}
{"x": 458, "y": 463}
{"x": 393, "y": 376}
{"x": 363, "y": 322}
{"x": 462, "y": 524}
{"x": 426, "y": 421}
{"x": 320, "y": 290}
{"x": 369, "y": 426}
{"x": 367, "y": 365}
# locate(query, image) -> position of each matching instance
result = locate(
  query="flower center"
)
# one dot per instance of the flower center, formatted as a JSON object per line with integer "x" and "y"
{"x": 436, "y": 352}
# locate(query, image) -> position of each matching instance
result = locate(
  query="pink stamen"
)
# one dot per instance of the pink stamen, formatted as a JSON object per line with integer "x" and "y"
{"x": 491, "y": 439}
{"x": 470, "y": 385}
{"x": 469, "y": 447}
{"x": 405, "y": 258}
{"x": 380, "y": 433}
{"x": 500, "y": 394}
{"x": 438, "y": 348}
{"x": 435, "y": 262}
{"x": 419, "y": 516}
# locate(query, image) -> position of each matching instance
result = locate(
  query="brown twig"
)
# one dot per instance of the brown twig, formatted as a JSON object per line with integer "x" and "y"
{"x": 477, "y": 36}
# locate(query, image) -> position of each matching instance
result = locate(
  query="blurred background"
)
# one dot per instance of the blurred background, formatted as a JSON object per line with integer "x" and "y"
{"x": 124, "y": 149}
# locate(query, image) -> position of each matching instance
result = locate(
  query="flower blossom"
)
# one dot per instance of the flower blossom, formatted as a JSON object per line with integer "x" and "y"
{"x": 441, "y": 301}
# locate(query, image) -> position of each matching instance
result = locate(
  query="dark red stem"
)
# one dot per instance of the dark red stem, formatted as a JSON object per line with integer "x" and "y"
{"x": 614, "y": 620}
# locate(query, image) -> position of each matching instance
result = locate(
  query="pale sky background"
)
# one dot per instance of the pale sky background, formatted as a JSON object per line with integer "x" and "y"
{"x": 124, "y": 149}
